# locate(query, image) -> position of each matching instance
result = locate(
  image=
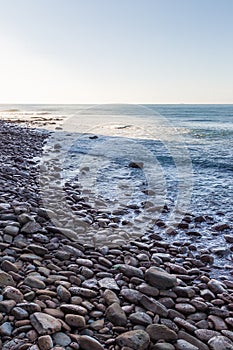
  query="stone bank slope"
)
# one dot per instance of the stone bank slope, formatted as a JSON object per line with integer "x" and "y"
{"x": 59, "y": 294}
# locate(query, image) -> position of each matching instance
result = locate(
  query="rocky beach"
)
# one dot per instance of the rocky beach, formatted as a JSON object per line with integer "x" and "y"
{"x": 57, "y": 292}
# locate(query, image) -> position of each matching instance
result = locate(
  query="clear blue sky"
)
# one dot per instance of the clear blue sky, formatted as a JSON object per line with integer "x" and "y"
{"x": 121, "y": 51}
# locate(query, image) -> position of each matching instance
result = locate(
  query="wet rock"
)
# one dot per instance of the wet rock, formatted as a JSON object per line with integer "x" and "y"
{"x": 76, "y": 321}
{"x": 45, "y": 342}
{"x": 7, "y": 305}
{"x": 131, "y": 295}
{"x": 185, "y": 308}
{"x": 31, "y": 227}
{"x": 185, "y": 324}
{"x": 116, "y": 315}
{"x": 88, "y": 343}
{"x": 6, "y": 329}
{"x": 136, "y": 340}
{"x": 136, "y": 165}
{"x": 73, "y": 309}
{"x": 63, "y": 294}
{"x": 85, "y": 292}
{"x": 159, "y": 278}
{"x": 11, "y": 230}
{"x": 38, "y": 249}
{"x": 160, "y": 331}
{"x": 61, "y": 339}
{"x": 205, "y": 334}
{"x": 6, "y": 279}
{"x": 110, "y": 297}
{"x": 216, "y": 287}
{"x": 45, "y": 324}
{"x": 220, "y": 343}
{"x": 131, "y": 271}
{"x": 229, "y": 238}
{"x": 148, "y": 290}
{"x": 220, "y": 227}
{"x": 163, "y": 346}
{"x": 154, "y": 306}
{"x": 192, "y": 340}
{"x": 13, "y": 344}
{"x": 12, "y": 293}
{"x": 218, "y": 322}
{"x": 19, "y": 313}
{"x": 185, "y": 292}
{"x": 34, "y": 282}
{"x": 108, "y": 283}
{"x": 140, "y": 318}
{"x": 8, "y": 266}
{"x": 184, "y": 345}
{"x": 30, "y": 307}
{"x": 207, "y": 294}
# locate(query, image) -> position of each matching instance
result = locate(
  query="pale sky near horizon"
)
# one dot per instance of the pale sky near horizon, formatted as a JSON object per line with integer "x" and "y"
{"x": 116, "y": 51}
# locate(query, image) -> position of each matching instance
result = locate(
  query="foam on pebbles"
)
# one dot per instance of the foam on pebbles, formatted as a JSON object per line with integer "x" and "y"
{"x": 58, "y": 293}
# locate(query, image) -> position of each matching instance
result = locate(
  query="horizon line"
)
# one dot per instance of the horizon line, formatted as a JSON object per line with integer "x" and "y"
{"x": 117, "y": 103}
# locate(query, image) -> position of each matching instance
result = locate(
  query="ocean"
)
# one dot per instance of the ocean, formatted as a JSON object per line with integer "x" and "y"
{"x": 173, "y": 140}
{"x": 148, "y": 163}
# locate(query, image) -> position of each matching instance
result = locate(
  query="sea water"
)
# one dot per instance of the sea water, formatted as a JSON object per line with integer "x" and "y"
{"x": 173, "y": 140}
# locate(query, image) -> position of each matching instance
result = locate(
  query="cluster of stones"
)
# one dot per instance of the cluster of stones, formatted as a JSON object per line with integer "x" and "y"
{"x": 56, "y": 293}
{"x": 59, "y": 294}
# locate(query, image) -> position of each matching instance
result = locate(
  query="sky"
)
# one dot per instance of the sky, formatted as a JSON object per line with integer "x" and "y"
{"x": 116, "y": 51}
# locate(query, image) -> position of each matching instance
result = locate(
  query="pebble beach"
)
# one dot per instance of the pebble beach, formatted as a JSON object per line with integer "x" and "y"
{"x": 57, "y": 292}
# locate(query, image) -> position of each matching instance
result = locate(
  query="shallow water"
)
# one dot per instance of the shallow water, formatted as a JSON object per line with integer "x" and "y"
{"x": 172, "y": 140}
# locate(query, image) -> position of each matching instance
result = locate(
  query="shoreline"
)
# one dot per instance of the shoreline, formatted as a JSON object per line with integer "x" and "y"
{"x": 60, "y": 294}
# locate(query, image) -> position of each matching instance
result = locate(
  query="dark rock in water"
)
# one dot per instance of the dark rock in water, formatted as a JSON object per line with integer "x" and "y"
{"x": 136, "y": 165}
{"x": 93, "y": 137}
{"x": 220, "y": 227}
{"x": 229, "y": 238}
